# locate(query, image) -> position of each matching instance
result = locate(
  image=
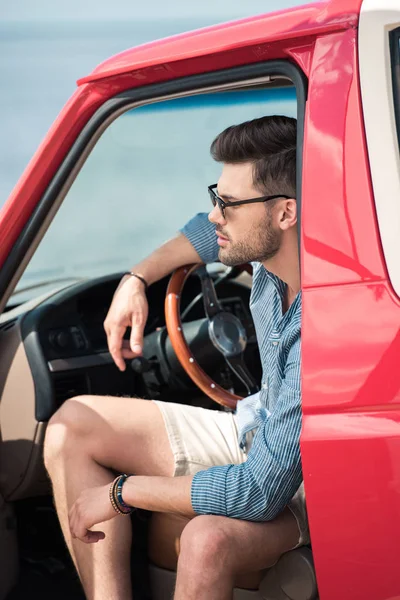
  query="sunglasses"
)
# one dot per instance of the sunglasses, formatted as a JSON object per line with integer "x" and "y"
{"x": 222, "y": 204}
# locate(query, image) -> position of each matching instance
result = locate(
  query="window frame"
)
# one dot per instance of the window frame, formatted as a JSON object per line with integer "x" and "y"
{"x": 378, "y": 19}
{"x": 233, "y": 78}
{"x": 394, "y": 41}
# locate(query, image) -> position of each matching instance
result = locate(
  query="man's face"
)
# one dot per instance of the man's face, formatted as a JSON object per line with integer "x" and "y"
{"x": 248, "y": 232}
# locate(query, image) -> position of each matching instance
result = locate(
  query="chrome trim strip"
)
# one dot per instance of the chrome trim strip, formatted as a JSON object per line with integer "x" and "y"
{"x": 80, "y": 362}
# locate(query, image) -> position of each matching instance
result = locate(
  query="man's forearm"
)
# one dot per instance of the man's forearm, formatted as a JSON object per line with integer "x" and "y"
{"x": 160, "y": 494}
{"x": 173, "y": 254}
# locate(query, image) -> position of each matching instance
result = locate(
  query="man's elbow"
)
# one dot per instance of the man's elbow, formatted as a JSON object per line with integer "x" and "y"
{"x": 272, "y": 507}
{"x": 257, "y": 507}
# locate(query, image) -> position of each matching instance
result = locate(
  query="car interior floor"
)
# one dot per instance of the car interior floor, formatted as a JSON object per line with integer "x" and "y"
{"x": 46, "y": 570}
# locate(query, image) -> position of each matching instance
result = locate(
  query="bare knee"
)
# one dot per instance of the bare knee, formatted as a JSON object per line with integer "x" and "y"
{"x": 73, "y": 422}
{"x": 205, "y": 544}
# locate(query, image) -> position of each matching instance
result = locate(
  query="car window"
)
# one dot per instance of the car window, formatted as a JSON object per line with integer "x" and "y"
{"x": 146, "y": 176}
{"x": 395, "y": 60}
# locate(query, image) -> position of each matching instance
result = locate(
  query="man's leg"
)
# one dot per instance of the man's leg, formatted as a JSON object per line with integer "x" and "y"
{"x": 214, "y": 550}
{"x": 85, "y": 439}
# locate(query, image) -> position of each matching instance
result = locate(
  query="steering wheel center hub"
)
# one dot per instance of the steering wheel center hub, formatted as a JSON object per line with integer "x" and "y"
{"x": 227, "y": 334}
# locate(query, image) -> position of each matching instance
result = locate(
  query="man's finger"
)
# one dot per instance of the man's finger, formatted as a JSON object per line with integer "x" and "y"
{"x": 91, "y": 537}
{"x": 126, "y": 350}
{"x": 71, "y": 518}
{"x": 115, "y": 345}
{"x": 137, "y": 338}
{"x": 81, "y": 532}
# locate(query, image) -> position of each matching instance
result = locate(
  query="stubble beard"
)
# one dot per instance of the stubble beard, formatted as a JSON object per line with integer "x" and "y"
{"x": 264, "y": 243}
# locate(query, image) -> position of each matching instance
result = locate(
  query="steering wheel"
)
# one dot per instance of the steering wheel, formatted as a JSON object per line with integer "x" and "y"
{"x": 226, "y": 332}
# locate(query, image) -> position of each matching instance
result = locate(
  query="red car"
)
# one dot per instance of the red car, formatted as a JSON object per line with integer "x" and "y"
{"x": 123, "y": 166}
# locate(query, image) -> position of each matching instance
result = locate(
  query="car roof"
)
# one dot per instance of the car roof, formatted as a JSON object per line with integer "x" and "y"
{"x": 317, "y": 18}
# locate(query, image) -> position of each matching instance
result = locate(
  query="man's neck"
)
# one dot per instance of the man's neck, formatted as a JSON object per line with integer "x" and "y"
{"x": 285, "y": 265}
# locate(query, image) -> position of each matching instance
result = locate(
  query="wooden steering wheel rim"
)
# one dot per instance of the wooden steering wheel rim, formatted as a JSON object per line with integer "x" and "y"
{"x": 178, "y": 342}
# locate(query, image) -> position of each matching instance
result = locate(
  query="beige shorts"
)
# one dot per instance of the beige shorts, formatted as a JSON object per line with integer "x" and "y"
{"x": 202, "y": 438}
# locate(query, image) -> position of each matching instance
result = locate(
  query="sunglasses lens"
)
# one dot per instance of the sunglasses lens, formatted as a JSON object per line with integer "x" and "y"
{"x": 216, "y": 200}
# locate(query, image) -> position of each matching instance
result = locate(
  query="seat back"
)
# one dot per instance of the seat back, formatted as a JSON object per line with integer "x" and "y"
{"x": 292, "y": 578}
{"x": 162, "y": 582}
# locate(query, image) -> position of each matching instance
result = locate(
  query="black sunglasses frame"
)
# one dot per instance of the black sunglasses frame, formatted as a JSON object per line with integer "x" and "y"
{"x": 222, "y": 204}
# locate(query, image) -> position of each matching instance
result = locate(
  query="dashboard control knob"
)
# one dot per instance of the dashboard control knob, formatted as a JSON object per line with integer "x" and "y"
{"x": 140, "y": 365}
{"x": 60, "y": 339}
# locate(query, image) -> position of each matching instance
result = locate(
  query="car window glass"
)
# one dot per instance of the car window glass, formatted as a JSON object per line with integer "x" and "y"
{"x": 146, "y": 176}
{"x": 395, "y": 63}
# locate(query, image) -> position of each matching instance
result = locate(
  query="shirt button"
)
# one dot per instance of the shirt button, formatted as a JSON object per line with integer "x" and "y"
{"x": 264, "y": 386}
{"x": 275, "y": 343}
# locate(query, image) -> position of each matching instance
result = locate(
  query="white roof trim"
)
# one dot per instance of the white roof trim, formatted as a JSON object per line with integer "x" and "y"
{"x": 377, "y": 19}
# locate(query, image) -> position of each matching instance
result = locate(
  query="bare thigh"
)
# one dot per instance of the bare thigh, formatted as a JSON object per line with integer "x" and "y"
{"x": 123, "y": 434}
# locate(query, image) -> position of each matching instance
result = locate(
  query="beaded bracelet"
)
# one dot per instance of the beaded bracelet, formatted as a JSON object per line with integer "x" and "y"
{"x": 120, "y": 483}
{"x": 113, "y": 503}
{"x": 117, "y": 490}
{"x": 115, "y": 495}
{"x": 110, "y": 495}
{"x": 124, "y": 510}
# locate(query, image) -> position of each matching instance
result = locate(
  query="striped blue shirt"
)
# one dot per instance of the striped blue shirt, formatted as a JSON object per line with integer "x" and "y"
{"x": 261, "y": 487}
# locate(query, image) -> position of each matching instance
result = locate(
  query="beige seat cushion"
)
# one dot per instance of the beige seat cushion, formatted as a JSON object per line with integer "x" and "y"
{"x": 163, "y": 585}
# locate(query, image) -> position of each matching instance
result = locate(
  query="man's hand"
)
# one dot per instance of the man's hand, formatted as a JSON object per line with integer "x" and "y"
{"x": 92, "y": 507}
{"x": 156, "y": 494}
{"x": 129, "y": 308}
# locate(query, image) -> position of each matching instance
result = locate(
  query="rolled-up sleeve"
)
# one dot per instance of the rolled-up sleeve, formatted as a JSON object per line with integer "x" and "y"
{"x": 201, "y": 234}
{"x": 260, "y": 488}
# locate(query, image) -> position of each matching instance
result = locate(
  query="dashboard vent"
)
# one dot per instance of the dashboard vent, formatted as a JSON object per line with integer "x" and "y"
{"x": 68, "y": 386}
{"x": 7, "y": 325}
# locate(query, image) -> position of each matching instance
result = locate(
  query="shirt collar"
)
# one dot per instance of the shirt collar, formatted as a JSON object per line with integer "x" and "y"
{"x": 281, "y": 289}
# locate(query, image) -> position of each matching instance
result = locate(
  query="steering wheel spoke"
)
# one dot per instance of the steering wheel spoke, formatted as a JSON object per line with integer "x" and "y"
{"x": 238, "y": 367}
{"x": 212, "y": 305}
{"x": 226, "y": 332}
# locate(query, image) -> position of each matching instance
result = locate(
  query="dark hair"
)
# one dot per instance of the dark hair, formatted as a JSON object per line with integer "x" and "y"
{"x": 270, "y": 144}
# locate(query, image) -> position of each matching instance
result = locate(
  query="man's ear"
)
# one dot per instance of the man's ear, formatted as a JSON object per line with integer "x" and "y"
{"x": 288, "y": 214}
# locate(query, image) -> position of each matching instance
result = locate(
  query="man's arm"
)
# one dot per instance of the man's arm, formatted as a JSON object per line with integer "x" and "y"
{"x": 201, "y": 234}
{"x": 196, "y": 242}
{"x": 258, "y": 489}
{"x": 261, "y": 487}
{"x": 160, "y": 494}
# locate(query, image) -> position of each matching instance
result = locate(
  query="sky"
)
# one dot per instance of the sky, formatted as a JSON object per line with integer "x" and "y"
{"x": 46, "y": 45}
{"x": 103, "y": 10}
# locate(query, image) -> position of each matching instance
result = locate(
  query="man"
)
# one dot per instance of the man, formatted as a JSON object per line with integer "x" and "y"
{"x": 237, "y": 472}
